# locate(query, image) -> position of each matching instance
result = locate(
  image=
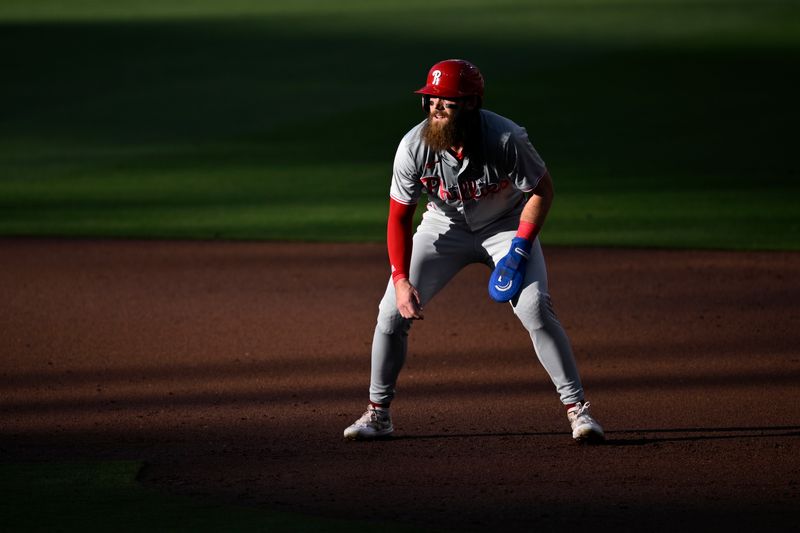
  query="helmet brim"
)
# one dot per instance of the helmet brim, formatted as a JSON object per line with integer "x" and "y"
{"x": 433, "y": 90}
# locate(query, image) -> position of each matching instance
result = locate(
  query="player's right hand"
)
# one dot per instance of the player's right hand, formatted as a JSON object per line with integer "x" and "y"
{"x": 408, "y": 300}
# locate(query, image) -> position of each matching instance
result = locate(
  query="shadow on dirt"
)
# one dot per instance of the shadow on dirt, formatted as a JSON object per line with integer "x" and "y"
{"x": 642, "y": 436}
{"x": 636, "y": 437}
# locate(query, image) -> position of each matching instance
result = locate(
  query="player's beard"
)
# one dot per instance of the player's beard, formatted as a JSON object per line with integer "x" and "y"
{"x": 441, "y": 135}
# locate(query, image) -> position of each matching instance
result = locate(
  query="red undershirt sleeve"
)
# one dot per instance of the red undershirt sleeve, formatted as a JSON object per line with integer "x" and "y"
{"x": 398, "y": 237}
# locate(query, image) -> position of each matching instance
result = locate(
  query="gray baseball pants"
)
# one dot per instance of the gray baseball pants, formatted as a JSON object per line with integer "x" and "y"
{"x": 441, "y": 249}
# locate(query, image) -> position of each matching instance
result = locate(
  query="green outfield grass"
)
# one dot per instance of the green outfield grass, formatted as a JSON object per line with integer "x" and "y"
{"x": 105, "y": 496}
{"x": 664, "y": 123}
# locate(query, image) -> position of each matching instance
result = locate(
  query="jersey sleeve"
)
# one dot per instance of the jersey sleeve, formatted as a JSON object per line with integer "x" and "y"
{"x": 524, "y": 165}
{"x": 406, "y": 185}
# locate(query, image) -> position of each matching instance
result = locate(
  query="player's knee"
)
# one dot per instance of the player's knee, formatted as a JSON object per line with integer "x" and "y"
{"x": 534, "y": 309}
{"x": 390, "y": 321}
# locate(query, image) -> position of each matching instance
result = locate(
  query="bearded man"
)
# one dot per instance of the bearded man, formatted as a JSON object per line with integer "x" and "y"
{"x": 489, "y": 193}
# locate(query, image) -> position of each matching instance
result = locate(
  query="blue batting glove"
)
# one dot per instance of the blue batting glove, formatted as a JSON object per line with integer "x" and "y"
{"x": 506, "y": 280}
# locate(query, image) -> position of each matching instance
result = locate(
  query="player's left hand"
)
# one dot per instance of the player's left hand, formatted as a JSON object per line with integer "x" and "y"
{"x": 506, "y": 280}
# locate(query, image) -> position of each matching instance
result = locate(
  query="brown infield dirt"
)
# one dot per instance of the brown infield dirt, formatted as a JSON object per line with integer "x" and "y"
{"x": 231, "y": 370}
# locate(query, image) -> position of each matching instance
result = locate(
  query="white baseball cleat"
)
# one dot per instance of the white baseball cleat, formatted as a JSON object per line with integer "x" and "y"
{"x": 584, "y": 427}
{"x": 375, "y": 423}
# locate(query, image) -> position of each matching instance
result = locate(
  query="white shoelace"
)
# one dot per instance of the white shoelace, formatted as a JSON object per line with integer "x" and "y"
{"x": 370, "y": 416}
{"x": 583, "y": 410}
{"x": 582, "y": 415}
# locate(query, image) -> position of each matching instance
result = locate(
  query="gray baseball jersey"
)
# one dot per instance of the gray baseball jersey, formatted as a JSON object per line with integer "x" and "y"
{"x": 477, "y": 190}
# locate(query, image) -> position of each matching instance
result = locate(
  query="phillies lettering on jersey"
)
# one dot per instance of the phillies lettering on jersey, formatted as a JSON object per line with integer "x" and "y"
{"x": 464, "y": 191}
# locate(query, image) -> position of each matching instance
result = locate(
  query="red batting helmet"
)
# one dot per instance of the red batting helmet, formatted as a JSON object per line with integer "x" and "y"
{"x": 453, "y": 78}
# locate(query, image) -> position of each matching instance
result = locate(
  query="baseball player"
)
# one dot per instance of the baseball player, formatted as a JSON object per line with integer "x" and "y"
{"x": 489, "y": 193}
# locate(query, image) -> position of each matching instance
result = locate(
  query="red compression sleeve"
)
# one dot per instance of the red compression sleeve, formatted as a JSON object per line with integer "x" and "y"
{"x": 398, "y": 237}
{"x": 527, "y": 230}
